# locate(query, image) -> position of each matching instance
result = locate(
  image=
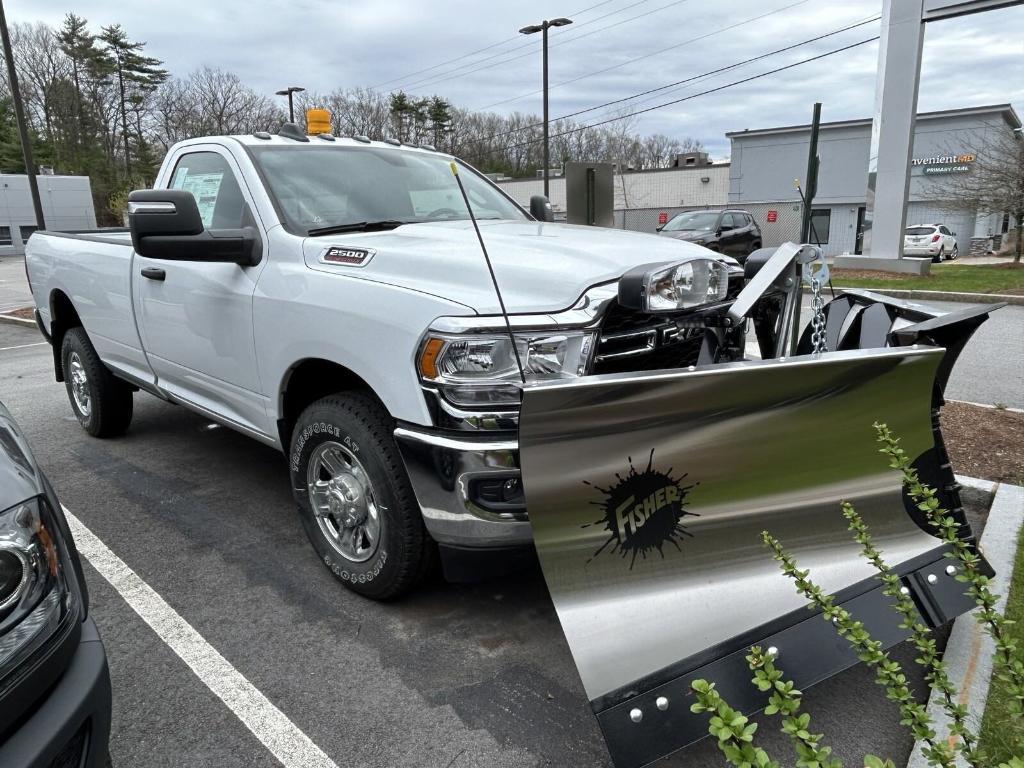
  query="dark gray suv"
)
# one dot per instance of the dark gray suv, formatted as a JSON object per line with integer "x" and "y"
{"x": 54, "y": 684}
{"x": 732, "y": 231}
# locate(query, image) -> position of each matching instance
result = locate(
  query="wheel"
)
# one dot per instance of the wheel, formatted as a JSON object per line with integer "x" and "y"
{"x": 938, "y": 257}
{"x": 954, "y": 253}
{"x": 354, "y": 497}
{"x": 102, "y": 403}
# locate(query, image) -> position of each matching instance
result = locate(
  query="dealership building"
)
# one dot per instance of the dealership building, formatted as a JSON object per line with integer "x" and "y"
{"x": 766, "y": 161}
{"x": 67, "y": 205}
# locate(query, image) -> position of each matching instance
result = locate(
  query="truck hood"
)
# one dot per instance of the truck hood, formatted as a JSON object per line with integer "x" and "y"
{"x": 540, "y": 267}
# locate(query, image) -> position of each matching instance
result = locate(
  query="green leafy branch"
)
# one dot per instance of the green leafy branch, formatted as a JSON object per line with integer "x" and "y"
{"x": 733, "y": 730}
{"x": 920, "y": 634}
{"x": 889, "y": 673}
{"x": 785, "y": 700}
{"x": 1009, "y": 667}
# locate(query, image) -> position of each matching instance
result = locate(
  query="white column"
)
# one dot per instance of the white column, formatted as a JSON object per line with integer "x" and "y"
{"x": 892, "y": 129}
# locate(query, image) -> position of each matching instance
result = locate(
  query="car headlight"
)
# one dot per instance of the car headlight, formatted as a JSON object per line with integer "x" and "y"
{"x": 481, "y": 370}
{"x": 34, "y": 584}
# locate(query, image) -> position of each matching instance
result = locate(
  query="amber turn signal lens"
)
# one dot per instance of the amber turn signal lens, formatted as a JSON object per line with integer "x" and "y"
{"x": 428, "y": 358}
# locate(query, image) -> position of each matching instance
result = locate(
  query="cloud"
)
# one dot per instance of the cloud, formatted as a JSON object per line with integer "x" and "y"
{"x": 327, "y": 44}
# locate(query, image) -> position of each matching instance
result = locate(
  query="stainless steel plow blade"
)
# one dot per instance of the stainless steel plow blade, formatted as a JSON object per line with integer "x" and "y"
{"x": 648, "y": 494}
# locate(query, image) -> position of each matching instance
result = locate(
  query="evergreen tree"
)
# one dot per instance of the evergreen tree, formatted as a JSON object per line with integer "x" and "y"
{"x": 136, "y": 75}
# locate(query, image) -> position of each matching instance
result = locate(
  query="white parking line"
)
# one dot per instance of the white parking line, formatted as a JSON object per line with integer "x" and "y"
{"x": 23, "y": 346}
{"x": 292, "y": 747}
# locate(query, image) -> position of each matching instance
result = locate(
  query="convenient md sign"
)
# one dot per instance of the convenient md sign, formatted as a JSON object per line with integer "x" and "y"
{"x": 944, "y": 163}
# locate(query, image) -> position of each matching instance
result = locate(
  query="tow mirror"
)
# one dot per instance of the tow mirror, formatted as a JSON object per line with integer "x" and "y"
{"x": 165, "y": 224}
{"x": 540, "y": 208}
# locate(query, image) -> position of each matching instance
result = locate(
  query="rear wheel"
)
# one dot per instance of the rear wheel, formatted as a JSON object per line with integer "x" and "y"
{"x": 102, "y": 403}
{"x": 938, "y": 257}
{"x": 354, "y": 497}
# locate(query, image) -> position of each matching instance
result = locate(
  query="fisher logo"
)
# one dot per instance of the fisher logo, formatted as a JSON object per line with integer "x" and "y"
{"x": 350, "y": 257}
{"x": 643, "y": 512}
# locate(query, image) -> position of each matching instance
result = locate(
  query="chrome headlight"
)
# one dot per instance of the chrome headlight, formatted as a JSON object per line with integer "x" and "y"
{"x": 481, "y": 370}
{"x": 34, "y": 588}
{"x": 678, "y": 285}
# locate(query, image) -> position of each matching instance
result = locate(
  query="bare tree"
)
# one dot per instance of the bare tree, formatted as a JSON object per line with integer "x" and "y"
{"x": 995, "y": 183}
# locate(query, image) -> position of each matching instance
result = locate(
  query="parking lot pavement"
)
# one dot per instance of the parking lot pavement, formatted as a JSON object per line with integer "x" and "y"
{"x": 452, "y": 676}
{"x": 991, "y": 367}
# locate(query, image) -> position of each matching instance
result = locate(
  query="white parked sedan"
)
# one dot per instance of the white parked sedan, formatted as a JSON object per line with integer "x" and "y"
{"x": 933, "y": 240}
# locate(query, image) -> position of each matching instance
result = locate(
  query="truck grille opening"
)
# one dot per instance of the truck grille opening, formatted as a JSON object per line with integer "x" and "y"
{"x": 634, "y": 341}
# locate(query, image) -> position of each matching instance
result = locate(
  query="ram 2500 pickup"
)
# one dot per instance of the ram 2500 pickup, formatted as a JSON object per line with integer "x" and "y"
{"x": 328, "y": 297}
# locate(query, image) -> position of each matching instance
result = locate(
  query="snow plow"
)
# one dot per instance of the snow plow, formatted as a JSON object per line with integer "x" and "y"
{"x": 648, "y": 495}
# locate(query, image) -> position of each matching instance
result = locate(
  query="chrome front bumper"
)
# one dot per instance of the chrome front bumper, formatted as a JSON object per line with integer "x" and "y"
{"x": 442, "y": 470}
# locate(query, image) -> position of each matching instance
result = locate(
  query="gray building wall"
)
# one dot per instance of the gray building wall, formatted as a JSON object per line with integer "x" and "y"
{"x": 670, "y": 190}
{"x": 67, "y": 204}
{"x": 766, "y": 162}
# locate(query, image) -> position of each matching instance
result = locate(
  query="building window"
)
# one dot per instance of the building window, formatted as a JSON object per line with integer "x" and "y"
{"x": 821, "y": 220}
{"x": 5, "y": 236}
{"x": 26, "y": 231}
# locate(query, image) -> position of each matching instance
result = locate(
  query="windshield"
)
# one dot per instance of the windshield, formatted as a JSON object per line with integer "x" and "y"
{"x": 695, "y": 220}
{"x": 920, "y": 230}
{"x": 317, "y": 187}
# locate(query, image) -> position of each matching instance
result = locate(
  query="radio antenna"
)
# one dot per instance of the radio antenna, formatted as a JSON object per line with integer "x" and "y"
{"x": 494, "y": 280}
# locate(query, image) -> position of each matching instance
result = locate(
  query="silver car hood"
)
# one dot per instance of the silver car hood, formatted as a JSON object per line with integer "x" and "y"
{"x": 540, "y": 267}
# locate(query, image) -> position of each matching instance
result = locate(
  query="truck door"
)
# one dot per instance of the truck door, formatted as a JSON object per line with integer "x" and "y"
{"x": 195, "y": 318}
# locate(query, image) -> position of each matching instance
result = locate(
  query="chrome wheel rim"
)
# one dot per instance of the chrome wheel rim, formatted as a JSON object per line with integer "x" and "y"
{"x": 343, "y": 501}
{"x": 79, "y": 384}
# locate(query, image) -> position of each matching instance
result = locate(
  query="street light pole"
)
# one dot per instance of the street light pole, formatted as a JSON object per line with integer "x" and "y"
{"x": 19, "y": 117}
{"x": 543, "y": 28}
{"x": 288, "y": 92}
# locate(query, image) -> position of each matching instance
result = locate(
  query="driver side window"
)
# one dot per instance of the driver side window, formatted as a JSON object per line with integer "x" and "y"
{"x": 214, "y": 186}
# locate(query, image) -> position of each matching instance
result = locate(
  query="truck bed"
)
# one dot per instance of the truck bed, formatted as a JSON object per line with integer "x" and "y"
{"x": 92, "y": 269}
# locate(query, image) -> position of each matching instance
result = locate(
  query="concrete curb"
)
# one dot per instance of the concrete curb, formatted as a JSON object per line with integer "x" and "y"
{"x": 918, "y": 295}
{"x": 10, "y": 320}
{"x": 969, "y": 652}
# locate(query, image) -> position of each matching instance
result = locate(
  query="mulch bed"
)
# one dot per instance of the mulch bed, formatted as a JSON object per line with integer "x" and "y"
{"x": 985, "y": 442}
{"x": 25, "y": 313}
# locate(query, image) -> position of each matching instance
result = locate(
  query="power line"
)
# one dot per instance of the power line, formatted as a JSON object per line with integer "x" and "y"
{"x": 473, "y": 53}
{"x": 702, "y": 93}
{"x": 475, "y": 66}
{"x": 691, "y": 79}
{"x": 646, "y": 55}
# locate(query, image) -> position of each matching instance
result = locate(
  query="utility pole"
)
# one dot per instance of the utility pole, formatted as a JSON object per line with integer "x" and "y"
{"x": 19, "y": 117}
{"x": 543, "y": 28}
{"x": 811, "y": 179}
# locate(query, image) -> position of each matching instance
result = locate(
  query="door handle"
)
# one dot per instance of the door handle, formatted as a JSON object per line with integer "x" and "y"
{"x": 153, "y": 273}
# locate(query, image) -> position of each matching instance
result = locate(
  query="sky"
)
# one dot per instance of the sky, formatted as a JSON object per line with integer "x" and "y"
{"x": 423, "y": 47}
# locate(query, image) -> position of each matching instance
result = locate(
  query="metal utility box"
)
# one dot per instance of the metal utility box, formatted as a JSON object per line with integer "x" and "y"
{"x": 589, "y": 194}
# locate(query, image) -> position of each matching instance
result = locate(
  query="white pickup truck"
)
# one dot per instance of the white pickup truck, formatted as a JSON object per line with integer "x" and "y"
{"x": 329, "y": 298}
{"x": 333, "y": 299}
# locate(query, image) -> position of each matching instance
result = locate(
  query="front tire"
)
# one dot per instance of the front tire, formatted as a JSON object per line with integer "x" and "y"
{"x": 354, "y": 497}
{"x": 954, "y": 253}
{"x": 102, "y": 403}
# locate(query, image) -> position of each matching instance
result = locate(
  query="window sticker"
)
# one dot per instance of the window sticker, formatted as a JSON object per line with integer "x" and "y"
{"x": 204, "y": 188}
